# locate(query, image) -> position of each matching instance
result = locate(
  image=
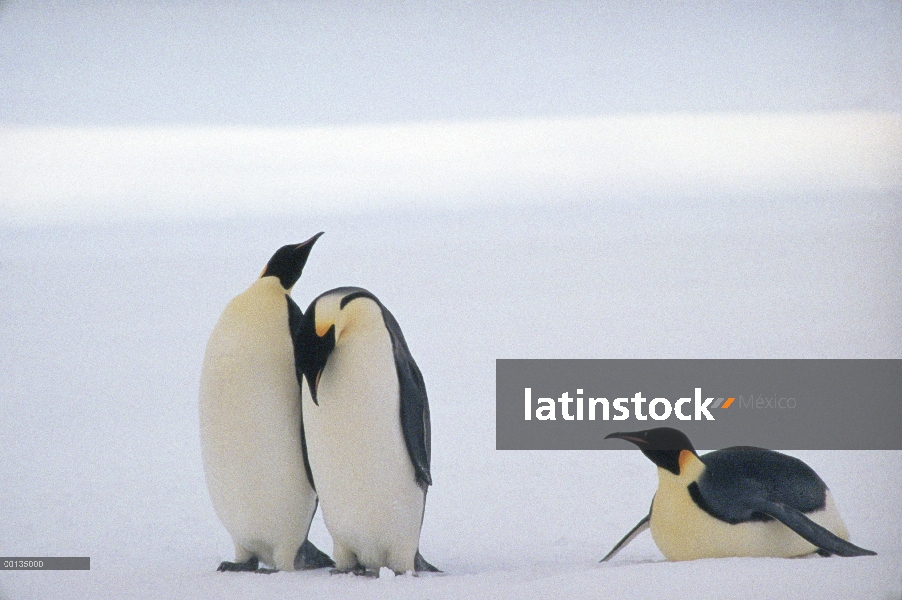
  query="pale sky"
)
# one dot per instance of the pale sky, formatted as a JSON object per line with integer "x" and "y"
{"x": 165, "y": 109}
{"x": 330, "y": 63}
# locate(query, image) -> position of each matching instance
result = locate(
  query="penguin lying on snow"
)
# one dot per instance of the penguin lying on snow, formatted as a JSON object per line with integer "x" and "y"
{"x": 366, "y": 422}
{"x": 250, "y": 424}
{"x": 739, "y": 501}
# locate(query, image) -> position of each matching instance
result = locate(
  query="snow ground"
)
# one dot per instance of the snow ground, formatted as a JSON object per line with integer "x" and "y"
{"x": 104, "y": 329}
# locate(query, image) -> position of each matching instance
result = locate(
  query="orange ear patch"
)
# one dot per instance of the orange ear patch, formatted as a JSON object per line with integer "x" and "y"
{"x": 685, "y": 456}
{"x": 322, "y": 328}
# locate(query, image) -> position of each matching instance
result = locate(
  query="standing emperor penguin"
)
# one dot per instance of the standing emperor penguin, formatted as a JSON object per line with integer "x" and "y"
{"x": 739, "y": 501}
{"x": 251, "y": 430}
{"x": 366, "y": 418}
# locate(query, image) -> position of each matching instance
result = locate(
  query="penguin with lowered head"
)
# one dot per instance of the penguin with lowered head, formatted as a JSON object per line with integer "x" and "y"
{"x": 366, "y": 421}
{"x": 739, "y": 501}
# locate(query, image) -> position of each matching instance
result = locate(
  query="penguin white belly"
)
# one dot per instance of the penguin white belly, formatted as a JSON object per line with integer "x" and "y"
{"x": 363, "y": 474}
{"x": 683, "y": 531}
{"x": 250, "y": 430}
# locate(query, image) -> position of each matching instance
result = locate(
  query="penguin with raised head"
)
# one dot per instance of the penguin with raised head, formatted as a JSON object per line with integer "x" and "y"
{"x": 366, "y": 420}
{"x": 250, "y": 423}
{"x": 739, "y": 501}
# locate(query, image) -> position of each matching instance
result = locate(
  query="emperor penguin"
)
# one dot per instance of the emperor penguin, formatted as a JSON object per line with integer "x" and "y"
{"x": 366, "y": 420}
{"x": 251, "y": 430}
{"x": 739, "y": 501}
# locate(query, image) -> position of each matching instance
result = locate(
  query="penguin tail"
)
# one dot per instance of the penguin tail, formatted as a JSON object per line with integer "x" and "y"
{"x": 420, "y": 565}
{"x": 826, "y": 541}
{"x": 311, "y": 557}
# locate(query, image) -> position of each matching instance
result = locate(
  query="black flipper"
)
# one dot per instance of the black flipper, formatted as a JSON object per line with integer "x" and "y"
{"x": 743, "y": 484}
{"x": 295, "y": 318}
{"x": 414, "y": 403}
{"x": 825, "y": 540}
{"x": 412, "y": 390}
{"x": 736, "y": 480}
{"x": 311, "y": 557}
{"x": 421, "y": 566}
{"x": 641, "y": 526}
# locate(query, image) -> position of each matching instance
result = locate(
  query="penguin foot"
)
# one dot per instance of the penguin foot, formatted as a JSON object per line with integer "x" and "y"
{"x": 250, "y": 565}
{"x": 311, "y": 557}
{"x": 356, "y": 570}
{"x": 420, "y": 565}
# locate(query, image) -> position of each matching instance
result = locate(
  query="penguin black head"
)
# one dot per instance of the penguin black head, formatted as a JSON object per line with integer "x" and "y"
{"x": 317, "y": 345}
{"x": 662, "y": 445}
{"x": 288, "y": 262}
{"x": 326, "y": 320}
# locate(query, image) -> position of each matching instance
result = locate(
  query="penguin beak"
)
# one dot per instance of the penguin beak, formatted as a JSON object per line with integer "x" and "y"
{"x": 309, "y": 242}
{"x": 302, "y": 251}
{"x": 315, "y": 387}
{"x": 633, "y": 437}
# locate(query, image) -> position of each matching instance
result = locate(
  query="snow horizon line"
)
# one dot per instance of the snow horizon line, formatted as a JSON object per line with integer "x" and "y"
{"x": 114, "y": 173}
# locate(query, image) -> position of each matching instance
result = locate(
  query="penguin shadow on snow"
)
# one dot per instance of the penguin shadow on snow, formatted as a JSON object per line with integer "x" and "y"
{"x": 734, "y": 502}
